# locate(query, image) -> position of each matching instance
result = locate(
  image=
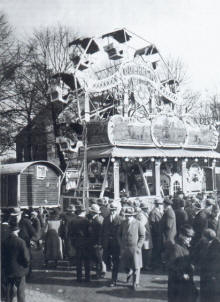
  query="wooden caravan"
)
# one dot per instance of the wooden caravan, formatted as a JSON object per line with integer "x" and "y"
{"x": 30, "y": 184}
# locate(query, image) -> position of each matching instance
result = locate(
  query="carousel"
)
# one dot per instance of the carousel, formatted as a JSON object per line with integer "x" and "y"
{"x": 123, "y": 128}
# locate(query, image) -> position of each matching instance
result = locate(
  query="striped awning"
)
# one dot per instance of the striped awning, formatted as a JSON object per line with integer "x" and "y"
{"x": 150, "y": 152}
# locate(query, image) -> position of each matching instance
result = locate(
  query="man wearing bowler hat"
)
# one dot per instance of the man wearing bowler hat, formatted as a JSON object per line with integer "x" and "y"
{"x": 131, "y": 236}
{"x": 15, "y": 261}
{"x": 110, "y": 244}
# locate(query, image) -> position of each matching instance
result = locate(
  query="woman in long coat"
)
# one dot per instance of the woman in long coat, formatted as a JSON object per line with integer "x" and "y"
{"x": 53, "y": 246}
{"x": 131, "y": 238}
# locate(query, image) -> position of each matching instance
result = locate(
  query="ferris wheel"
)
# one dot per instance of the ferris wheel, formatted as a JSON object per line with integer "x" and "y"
{"x": 96, "y": 73}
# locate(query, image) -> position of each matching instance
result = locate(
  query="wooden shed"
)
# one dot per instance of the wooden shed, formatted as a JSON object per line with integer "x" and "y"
{"x": 30, "y": 184}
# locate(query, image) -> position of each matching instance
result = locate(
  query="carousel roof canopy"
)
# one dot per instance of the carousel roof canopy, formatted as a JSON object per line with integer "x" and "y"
{"x": 93, "y": 47}
{"x": 120, "y": 35}
{"x": 150, "y": 152}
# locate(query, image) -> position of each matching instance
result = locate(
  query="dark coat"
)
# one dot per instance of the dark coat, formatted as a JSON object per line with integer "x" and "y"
{"x": 52, "y": 249}
{"x": 214, "y": 224}
{"x": 4, "y": 231}
{"x": 210, "y": 273}
{"x": 131, "y": 238}
{"x": 200, "y": 223}
{"x": 155, "y": 217}
{"x": 181, "y": 218}
{"x": 79, "y": 232}
{"x": 109, "y": 231}
{"x": 27, "y": 231}
{"x": 180, "y": 289}
{"x": 37, "y": 227}
{"x": 95, "y": 230}
{"x": 104, "y": 211}
{"x": 168, "y": 225}
{"x": 65, "y": 234}
{"x": 15, "y": 257}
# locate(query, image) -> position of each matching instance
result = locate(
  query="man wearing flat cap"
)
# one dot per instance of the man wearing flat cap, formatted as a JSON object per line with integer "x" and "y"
{"x": 131, "y": 237}
{"x": 110, "y": 244}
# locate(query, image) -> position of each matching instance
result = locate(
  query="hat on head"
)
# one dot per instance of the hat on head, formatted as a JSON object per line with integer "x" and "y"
{"x": 187, "y": 230}
{"x": 15, "y": 211}
{"x": 113, "y": 206}
{"x": 71, "y": 208}
{"x": 94, "y": 209}
{"x": 130, "y": 202}
{"x": 158, "y": 201}
{"x": 80, "y": 208}
{"x": 210, "y": 202}
{"x": 209, "y": 234}
{"x": 179, "y": 193}
{"x": 137, "y": 203}
{"x": 144, "y": 205}
{"x": 93, "y": 201}
{"x": 100, "y": 201}
{"x": 129, "y": 211}
{"x": 34, "y": 213}
{"x": 124, "y": 199}
{"x": 167, "y": 201}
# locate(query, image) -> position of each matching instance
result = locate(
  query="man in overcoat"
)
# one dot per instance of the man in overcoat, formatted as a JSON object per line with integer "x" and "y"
{"x": 143, "y": 217}
{"x": 210, "y": 269}
{"x": 181, "y": 287}
{"x": 110, "y": 244}
{"x": 200, "y": 223}
{"x": 15, "y": 261}
{"x": 131, "y": 236}
{"x": 168, "y": 228}
{"x": 79, "y": 234}
{"x": 181, "y": 214}
{"x": 155, "y": 217}
{"x": 67, "y": 218}
{"x": 95, "y": 228}
{"x": 168, "y": 222}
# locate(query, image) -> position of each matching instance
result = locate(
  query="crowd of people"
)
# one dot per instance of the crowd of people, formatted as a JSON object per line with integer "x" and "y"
{"x": 179, "y": 236}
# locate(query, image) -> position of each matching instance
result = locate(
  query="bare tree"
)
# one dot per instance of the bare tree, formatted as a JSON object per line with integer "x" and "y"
{"x": 42, "y": 56}
{"x": 177, "y": 70}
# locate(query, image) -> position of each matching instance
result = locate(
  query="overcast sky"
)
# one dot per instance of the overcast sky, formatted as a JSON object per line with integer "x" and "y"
{"x": 188, "y": 29}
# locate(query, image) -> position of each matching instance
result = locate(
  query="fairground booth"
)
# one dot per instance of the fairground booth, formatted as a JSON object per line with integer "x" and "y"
{"x": 124, "y": 128}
